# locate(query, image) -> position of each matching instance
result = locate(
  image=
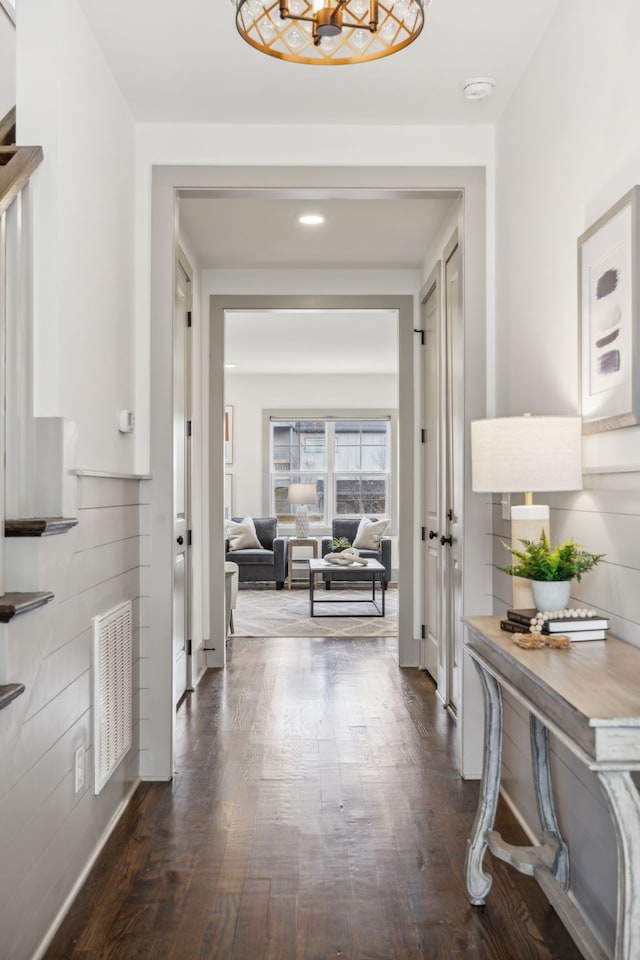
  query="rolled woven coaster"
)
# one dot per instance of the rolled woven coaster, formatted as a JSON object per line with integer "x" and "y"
{"x": 534, "y": 641}
{"x": 557, "y": 641}
{"x": 528, "y": 641}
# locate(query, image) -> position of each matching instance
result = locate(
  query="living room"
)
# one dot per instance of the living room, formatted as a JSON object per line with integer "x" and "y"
{"x": 294, "y": 401}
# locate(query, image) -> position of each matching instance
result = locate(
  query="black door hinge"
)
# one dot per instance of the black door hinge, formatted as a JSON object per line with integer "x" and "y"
{"x": 189, "y": 318}
{"x": 423, "y": 436}
{"x": 189, "y": 646}
{"x": 423, "y": 533}
{"x": 449, "y": 515}
{"x": 423, "y": 632}
{"x": 188, "y": 538}
{"x": 189, "y": 428}
{"x": 421, "y": 332}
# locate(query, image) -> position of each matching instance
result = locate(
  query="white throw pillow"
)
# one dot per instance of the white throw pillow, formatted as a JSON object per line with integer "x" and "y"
{"x": 242, "y": 535}
{"x": 369, "y": 534}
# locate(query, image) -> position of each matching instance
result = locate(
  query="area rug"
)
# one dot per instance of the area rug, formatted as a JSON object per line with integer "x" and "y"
{"x": 285, "y": 613}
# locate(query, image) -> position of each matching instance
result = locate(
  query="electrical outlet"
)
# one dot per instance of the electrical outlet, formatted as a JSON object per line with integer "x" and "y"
{"x": 78, "y": 766}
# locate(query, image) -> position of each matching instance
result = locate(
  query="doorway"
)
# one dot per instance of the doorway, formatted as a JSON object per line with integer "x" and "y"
{"x": 400, "y": 306}
{"x": 378, "y": 182}
{"x": 314, "y": 397}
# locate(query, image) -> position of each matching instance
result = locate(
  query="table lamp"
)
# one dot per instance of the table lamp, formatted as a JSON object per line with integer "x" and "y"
{"x": 526, "y": 455}
{"x": 302, "y": 494}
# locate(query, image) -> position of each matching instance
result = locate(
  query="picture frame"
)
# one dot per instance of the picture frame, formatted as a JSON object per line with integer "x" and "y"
{"x": 228, "y": 496}
{"x": 608, "y": 318}
{"x": 228, "y": 434}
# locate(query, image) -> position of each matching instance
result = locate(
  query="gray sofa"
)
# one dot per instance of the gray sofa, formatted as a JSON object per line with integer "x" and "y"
{"x": 347, "y": 527}
{"x": 265, "y": 565}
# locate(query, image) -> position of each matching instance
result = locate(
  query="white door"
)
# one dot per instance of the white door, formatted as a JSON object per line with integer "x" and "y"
{"x": 181, "y": 460}
{"x": 453, "y": 481}
{"x": 432, "y": 590}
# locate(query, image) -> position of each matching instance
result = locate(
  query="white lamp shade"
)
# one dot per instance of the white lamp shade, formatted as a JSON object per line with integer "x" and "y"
{"x": 302, "y": 493}
{"x": 519, "y": 454}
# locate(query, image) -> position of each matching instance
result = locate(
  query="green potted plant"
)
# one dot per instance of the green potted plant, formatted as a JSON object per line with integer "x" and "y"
{"x": 550, "y": 570}
{"x": 338, "y": 544}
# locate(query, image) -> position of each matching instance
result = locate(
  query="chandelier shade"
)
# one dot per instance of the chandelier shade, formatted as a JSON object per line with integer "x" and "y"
{"x": 329, "y": 32}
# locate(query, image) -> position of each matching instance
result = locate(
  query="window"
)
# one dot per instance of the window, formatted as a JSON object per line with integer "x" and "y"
{"x": 348, "y": 460}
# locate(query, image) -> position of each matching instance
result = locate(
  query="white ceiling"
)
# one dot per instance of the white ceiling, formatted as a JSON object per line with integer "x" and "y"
{"x": 184, "y": 62}
{"x": 311, "y": 342}
{"x": 265, "y": 233}
{"x": 181, "y": 62}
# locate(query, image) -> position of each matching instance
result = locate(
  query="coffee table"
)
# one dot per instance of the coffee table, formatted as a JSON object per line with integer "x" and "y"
{"x": 374, "y": 569}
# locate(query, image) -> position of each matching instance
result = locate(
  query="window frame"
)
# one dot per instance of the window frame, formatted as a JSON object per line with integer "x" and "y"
{"x": 330, "y": 474}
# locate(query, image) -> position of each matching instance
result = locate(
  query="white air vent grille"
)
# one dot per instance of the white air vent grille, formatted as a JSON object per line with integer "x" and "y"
{"x": 111, "y": 690}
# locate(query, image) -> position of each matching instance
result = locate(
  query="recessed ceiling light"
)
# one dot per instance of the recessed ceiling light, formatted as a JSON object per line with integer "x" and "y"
{"x": 478, "y": 88}
{"x": 229, "y": 366}
{"x": 311, "y": 219}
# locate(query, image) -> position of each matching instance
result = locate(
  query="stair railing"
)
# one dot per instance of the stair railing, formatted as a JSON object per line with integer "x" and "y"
{"x": 17, "y": 165}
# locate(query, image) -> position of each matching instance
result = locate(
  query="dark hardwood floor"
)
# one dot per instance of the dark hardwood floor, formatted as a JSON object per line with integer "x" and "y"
{"x": 316, "y": 813}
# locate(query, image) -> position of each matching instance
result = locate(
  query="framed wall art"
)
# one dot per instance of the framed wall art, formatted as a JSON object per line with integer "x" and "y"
{"x": 228, "y": 434}
{"x": 608, "y": 317}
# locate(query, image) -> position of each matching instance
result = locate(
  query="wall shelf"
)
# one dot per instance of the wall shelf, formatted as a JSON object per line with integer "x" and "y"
{"x": 9, "y": 692}
{"x": 15, "y": 604}
{"x": 38, "y": 526}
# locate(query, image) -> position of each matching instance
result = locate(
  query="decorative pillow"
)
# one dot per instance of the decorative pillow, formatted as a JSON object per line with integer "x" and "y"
{"x": 242, "y": 535}
{"x": 369, "y": 534}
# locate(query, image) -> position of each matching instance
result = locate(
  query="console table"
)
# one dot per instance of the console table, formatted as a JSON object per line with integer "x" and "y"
{"x": 589, "y": 697}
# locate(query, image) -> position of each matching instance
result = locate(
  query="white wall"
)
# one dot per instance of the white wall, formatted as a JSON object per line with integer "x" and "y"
{"x": 567, "y": 147}
{"x": 251, "y": 395}
{"x": 84, "y": 210}
{"x": 7, "y": 63}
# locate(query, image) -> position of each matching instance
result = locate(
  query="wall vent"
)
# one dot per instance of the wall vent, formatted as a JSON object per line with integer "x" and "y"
{"x": 111, "y": 690}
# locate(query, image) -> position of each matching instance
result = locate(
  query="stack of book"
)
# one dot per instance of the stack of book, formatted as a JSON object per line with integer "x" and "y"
{"x": 580, "y": 627}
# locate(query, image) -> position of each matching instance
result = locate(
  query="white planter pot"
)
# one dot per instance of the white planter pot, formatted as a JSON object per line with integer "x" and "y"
{"x": 551, "y": 594}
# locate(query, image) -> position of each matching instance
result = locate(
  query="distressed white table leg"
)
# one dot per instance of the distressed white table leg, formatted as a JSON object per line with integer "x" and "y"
{"x": 624, "y": 802}
{"x": 544, "y": 797}
{"x": 479, "y": 882}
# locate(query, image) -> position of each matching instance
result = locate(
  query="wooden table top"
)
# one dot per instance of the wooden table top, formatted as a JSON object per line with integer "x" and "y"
{"x": 593, "y": 684}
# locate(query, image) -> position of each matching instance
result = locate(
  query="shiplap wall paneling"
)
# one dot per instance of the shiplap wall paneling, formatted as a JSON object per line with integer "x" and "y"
{"x": 48, "y": 833}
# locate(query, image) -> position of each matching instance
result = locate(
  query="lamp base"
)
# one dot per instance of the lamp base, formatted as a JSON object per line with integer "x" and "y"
{"x": 302, "y": 523}
{"x": 527, "y": 523}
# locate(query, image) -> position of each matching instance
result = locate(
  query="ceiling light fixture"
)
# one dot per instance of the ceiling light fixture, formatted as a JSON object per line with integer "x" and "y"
{"x": 330, "y": 32}
{"x": 311, "y": 219}
{"x": 478, "y": 88}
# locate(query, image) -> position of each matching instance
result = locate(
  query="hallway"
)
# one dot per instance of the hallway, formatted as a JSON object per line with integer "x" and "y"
{"x": 315, "y": 813}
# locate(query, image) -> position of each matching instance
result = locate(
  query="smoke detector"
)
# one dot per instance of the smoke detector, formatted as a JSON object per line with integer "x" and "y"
{"x": 478, "y": 88}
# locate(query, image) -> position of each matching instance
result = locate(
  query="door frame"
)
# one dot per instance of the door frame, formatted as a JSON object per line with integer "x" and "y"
{"x": 453, "y": 454}
{"x": 167, "y": 182}
{"x": 432, "y": 288}
{"x": 182, "y": 263}
{"x": 403, "y": 305}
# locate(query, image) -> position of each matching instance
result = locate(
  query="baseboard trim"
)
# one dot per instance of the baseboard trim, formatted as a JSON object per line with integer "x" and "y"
{"x": 64, "y": 909}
